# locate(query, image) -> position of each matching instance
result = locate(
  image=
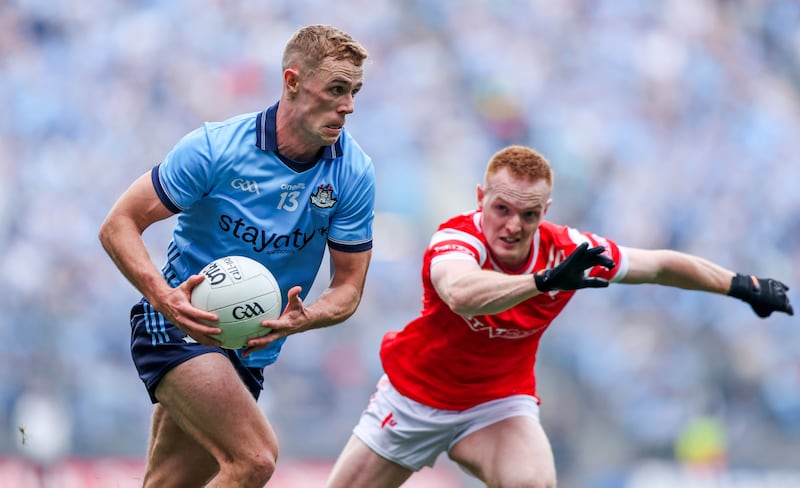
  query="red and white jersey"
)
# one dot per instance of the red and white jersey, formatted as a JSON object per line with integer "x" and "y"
{"x": 455, "y": 362}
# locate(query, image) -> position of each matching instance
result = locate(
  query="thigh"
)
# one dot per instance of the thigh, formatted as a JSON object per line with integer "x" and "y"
{"x": 206, "y": 399}
{"x": 404, "y": 431}
{"x": 359, "y": 466}
{"x": 512, "y": 452}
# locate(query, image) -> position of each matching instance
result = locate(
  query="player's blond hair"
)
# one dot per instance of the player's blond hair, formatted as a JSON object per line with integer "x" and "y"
{"x": 311, "y": 45}
{"x": 522, "y": 162}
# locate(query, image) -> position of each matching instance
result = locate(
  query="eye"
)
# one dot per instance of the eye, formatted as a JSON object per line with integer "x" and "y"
{"x": 337, "y": 90}
{"x": 531, "y": 216}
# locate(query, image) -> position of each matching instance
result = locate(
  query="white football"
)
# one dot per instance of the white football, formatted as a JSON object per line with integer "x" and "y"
{"x": 243, "y": 293}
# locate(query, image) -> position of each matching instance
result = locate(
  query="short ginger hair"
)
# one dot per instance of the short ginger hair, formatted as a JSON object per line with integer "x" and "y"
{"x": 522, "y": 162}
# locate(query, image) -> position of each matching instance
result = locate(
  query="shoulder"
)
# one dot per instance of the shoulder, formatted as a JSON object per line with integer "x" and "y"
{"x": 564, "y": 239}
{"x": 230, "y": 138}
{"x": 233, "y": 122}
{"x": 243, "y": 125}
{"x": 569, "y": 237}
{"x": 352, "y": 153}
{"x": 459, "y": 235}
{"x": 211, "y": 135}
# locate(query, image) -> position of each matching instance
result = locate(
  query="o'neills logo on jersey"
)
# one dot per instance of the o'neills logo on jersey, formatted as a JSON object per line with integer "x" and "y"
{"x": 323, "y": 198}
{"x": 447, "y": 247}
{"x": 498, "y": 332}
{"x": 268, "y": 242}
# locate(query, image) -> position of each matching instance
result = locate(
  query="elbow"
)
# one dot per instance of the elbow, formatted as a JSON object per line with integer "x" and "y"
{"x": 462, "y": 310}
{"x": 105, "y": 234}
{"x": 462, "y": 304}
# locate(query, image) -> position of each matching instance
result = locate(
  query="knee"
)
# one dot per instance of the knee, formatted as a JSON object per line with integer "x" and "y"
{"x": 250, "y": 470}
{"x": 262, "y": 466}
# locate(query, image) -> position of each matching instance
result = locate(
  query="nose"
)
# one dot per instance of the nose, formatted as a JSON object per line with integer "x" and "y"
{"x": 348, "y": 104}
{"x": 514, "y": 224}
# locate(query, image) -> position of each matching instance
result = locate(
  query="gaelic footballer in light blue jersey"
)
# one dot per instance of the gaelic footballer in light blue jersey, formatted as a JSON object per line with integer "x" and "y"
{"x": 234, "y": 194}
{"x": 279, "y": 186}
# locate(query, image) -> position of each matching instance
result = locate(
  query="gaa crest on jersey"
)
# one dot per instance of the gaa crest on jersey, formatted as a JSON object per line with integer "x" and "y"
{"x": 323, "y": 198}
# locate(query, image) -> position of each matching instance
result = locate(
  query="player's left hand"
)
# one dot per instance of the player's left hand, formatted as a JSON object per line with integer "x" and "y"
{"x": 295, "y": 318}
{"x": 764, "y": 295}
{"x": 570, "y": 273}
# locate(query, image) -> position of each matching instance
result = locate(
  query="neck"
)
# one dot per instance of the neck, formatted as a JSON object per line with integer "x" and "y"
{"x": 289, "y": 137}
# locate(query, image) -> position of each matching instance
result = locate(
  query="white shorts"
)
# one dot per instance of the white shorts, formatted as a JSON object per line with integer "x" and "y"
{"x": 413, "y": 435}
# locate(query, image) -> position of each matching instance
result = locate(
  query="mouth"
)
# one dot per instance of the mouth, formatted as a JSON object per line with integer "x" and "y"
{"x": 337, "y": 125}
{"x": 333, "y": 129}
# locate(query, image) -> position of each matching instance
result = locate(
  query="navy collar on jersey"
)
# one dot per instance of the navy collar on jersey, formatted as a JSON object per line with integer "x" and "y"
{"x": 267, "y": 140}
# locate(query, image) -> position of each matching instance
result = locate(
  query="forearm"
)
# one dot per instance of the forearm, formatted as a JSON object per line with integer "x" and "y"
{"x": 679, "y": 270}
{"x": 483, "y": 292}
{"x": 334, "y": 305}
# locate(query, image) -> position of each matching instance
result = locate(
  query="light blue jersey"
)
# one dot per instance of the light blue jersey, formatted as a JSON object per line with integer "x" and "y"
{"x": 234, "y": 194}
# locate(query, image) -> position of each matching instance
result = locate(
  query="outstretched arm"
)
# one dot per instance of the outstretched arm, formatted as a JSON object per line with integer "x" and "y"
{"x": 470, "y": 290}
{"x": 676, "y": 269}
{"x": 681, "y": 270}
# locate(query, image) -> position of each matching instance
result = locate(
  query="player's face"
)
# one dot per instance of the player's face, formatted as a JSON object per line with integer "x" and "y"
{"x": 325, "y": 98}
{"x": 512, "y": 211}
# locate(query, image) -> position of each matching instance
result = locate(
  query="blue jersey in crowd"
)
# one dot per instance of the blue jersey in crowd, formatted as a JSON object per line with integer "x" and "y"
{"x": 235, "y": 195}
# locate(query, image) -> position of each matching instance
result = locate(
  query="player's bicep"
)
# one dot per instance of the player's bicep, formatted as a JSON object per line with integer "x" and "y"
{"x": 643, "y": 265}
{"x": 446, "y": 273}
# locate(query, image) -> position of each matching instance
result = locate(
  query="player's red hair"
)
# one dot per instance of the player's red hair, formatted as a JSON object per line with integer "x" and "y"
{"x": 522, "y": 162}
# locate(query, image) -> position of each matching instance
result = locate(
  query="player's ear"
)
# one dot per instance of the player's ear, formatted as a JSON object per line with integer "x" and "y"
{"x": 547, "y": 206}
{"x": 480, "y": 196}
{"x": 291, "y": 79}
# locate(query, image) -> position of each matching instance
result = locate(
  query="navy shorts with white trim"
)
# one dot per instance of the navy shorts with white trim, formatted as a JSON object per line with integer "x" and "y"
{"x": 157, "y": 346}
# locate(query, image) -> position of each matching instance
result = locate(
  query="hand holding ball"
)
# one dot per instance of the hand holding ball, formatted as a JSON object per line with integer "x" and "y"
{"x": 243, "y": 293}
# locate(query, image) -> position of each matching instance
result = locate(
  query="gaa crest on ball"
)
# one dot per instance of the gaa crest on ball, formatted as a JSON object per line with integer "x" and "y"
{"x": 243, "y": 293}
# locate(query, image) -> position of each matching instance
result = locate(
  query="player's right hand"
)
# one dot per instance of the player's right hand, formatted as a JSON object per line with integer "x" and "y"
{"x": 764, "y": 295}
{"x": 570, "y": 273}
{"x": 176, "y": 306}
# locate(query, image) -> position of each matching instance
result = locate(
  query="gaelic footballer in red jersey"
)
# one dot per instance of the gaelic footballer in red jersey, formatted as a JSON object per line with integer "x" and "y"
{"x": 491, "y": 356}
{"x": 460, "y": 378}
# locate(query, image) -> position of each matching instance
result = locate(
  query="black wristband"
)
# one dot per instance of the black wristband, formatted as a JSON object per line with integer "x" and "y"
{"x": 542, "y": 280}
{"x": 744, "y": 286}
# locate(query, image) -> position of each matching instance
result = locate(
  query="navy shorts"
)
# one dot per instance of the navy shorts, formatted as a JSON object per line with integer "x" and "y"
{"x": 157, "y": 346}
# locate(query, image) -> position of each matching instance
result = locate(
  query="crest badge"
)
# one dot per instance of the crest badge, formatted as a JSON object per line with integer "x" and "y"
{"x": 323, "y": 198}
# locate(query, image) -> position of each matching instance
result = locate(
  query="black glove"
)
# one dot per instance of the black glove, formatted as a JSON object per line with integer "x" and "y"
{"x": 569, "y": 275}
{"x": 764, "y": 295}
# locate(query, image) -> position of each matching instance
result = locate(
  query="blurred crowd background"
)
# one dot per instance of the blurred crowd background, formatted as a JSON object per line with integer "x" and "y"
{"x": 669, "y": 124}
